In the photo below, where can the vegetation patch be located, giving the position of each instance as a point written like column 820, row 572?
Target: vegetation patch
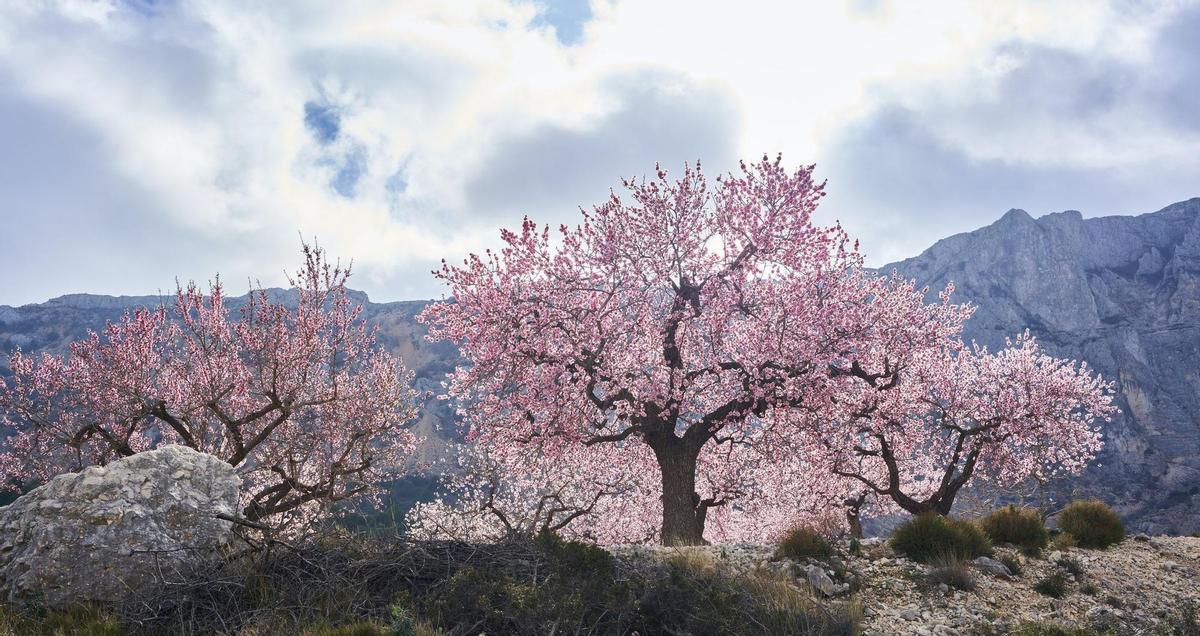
column 1053, row 585
column 1020, row 527
column 805, row 542
column 1073, row 566
column 364, row 585
column 952, row 571
column 928, row 537
column 1092, row 523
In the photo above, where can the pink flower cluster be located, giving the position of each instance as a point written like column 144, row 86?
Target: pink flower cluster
column 702, row 359
column 297, row 396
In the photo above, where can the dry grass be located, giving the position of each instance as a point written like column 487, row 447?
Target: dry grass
column 953, row 571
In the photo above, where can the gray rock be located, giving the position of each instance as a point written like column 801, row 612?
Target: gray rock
column 99, row 533
column 820, row 580
column 992, row 566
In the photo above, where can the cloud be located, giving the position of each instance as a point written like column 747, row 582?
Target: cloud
column 148, row 139
column 895, row 184
column 548, row 172
column 1052, row 128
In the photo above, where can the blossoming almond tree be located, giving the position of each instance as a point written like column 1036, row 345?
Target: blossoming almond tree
column 962, row 412
column 680, row 319
column 300, row 399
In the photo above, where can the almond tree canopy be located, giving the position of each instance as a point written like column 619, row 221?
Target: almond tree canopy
column 298, row 397
column 681, row 318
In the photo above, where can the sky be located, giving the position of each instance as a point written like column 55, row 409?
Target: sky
column 143, row 141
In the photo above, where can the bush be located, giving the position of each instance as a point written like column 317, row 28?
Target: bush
column 1053, row 585
column 926, row 537
column 855, row 547
column 952, row 571
column 1021, row 527
column 573, row 588
column 804, row 542
column 1092, row 523
column 697, row 597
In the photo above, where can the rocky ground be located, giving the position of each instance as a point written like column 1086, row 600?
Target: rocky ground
column 1141, row 586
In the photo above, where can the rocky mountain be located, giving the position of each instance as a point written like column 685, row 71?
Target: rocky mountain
column 1121, row 292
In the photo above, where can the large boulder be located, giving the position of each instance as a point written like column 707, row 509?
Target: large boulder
column 100, row 533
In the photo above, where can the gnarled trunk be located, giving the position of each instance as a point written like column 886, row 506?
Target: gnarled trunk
column 683, row 515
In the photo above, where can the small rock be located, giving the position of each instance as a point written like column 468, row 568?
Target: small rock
column 1141, row 537
column 910, row 614
column 820, row 580
column 992, row 566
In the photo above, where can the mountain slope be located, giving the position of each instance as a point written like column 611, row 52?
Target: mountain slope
column 1122, row 293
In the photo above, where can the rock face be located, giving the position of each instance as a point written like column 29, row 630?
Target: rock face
column 1122, row 293
column 95, row 534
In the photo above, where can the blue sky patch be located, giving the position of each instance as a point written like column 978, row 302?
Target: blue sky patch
column 567, row 17
column 354, row 165
column 323, row 121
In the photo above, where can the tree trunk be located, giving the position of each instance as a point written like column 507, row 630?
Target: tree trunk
column 853, row 517
column 938, row 506
column 683, row 516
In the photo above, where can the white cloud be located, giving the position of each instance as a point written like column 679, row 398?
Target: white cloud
column 187, row 120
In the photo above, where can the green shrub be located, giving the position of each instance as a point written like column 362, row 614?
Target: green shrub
column 1053, row 585
column 926, row 537
column 804, row 542
column 1089, row 588
column 1092, row 523
column 952, row 571
column 1021, row 527
column 855, row 547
